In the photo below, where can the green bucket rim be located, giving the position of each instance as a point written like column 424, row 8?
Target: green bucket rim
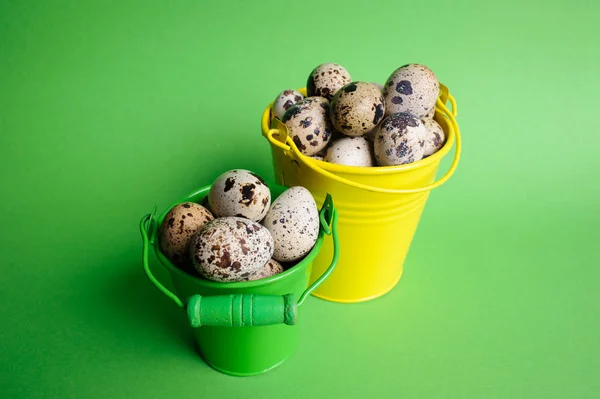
column 197, row 196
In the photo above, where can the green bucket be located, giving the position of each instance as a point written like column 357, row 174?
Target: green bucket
column 243, row 328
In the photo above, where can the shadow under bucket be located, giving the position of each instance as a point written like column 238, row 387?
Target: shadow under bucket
column 379, row 207
column 243, row 328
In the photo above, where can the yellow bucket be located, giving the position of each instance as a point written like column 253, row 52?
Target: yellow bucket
column 379, row 208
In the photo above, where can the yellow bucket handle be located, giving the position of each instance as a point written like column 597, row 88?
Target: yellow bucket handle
column 444, row 96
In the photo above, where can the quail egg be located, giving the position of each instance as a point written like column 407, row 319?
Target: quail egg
column 357, row 108
column 326, row 79
column 284, row 100
column 412, row 88
column 240, row 192
column 350, row 151
column 308, row 124
column 400, row 140
column 231, row 249
column 177, row 229
column 293, row 221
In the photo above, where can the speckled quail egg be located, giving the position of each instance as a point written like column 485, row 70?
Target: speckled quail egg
column 357, row 108
column 434, row 138
column 293, row 221
column 284, row 100
column 326, row 79
column 318, row 157
column 240, row 192
column 400, row 140
column 350, row 151
column 177, row 229
column 271, row 268
column 231, row 249
column 412, row 88
column 308, row 124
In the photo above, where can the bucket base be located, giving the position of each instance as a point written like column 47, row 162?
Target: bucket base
column 358, row 300
column 236, row 374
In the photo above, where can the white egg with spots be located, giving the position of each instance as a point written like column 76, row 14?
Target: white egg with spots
column 293, row 221
column 284, row 101
column 412, row 88
column 350, row 151
column 241, row 193
column 357, row 108
column 435, row 137
column 308, row 125
column 400, row 140
column 326, row 79
column 177, row 229
column 231, row 249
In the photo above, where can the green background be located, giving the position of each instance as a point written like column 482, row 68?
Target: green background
column 107, row 107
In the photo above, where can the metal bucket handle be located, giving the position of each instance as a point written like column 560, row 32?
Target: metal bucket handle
column 243, row 310
column 286, row 144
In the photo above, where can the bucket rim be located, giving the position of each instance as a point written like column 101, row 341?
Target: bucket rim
column 197, row 196
column 376, row 170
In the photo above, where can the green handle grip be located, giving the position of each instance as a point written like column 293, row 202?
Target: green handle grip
column 242, row 310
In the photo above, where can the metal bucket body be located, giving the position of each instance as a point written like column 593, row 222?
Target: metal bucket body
column 379, row 208
column 231, row 348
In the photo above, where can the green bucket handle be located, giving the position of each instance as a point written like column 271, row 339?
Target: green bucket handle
column 243, row 310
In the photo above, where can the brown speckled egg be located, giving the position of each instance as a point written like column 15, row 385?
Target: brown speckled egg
column 271, row 268
column 350, row 151
column 400, row 140
column 308, row 124
column 285, row 100
column 177, row 229
column 231, row 249
column 240, row 193
column 326, row 79
column 357, row 108
column 435, row 137
column 412, row 88
column 293, row 221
